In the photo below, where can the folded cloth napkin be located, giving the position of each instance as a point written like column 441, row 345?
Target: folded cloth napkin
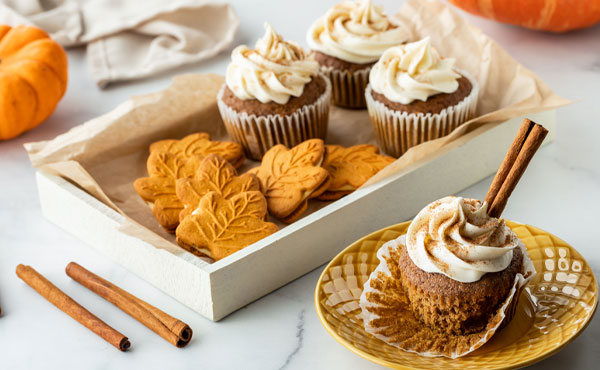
column 130, row 39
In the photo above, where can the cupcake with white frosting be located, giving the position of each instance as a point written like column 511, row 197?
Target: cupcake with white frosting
column 447, row 285
column 347, row 41
column 273, row 94
column 414, row 96
column 459, row 265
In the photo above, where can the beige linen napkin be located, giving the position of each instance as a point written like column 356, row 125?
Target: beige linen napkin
column 130, row 39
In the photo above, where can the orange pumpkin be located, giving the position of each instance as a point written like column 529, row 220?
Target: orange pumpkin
column 547, row 15
column 33, row 78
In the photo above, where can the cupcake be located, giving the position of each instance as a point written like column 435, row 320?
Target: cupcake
column 347, row 41
column 455, row 278
column 447, row 285
column 414, row 96
column 459, row 265
column 273, row 94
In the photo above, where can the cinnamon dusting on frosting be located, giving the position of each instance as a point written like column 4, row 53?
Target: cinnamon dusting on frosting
column 274, row 71
column 455, row 236
column 357, row 32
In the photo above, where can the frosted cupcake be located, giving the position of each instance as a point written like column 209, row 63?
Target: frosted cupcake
column 273, row 94
column 414, row 96
column 459, row 265
column 347, row 41
column 455, row 278
column 449, row 284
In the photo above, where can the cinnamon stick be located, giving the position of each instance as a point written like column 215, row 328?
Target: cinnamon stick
column 509, row 160
column 66, row 304
column 174, row 331
column 527, row 141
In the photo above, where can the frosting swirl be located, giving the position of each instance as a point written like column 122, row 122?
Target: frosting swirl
column 357, row 32
column 274, row 71
column 413, row 71
column 454, row 236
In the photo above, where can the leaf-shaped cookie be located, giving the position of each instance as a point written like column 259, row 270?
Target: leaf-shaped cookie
column 351, row 167
column 200, row 144
column 159, row 188
column 289, row 177
column 213, row 174
column 220, row 227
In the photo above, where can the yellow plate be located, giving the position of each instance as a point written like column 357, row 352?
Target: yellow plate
column 557, row 305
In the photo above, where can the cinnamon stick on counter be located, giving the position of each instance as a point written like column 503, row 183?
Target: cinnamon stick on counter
column 174, row 331
column 527, row 141
column 55, row 296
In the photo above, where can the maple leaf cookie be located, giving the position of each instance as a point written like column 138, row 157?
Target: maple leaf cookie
column 159, row 188
column 220, row 227
column 200, row 144
column 351, row 167
column 213, row 174
column 289, row 177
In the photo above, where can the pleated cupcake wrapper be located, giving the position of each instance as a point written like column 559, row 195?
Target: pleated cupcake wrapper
column 348, row 88
column 432, row 343
column 257, row 134
column 396, row 131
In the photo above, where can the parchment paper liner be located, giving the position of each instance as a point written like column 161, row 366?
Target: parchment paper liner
column 348, row 88
column 412, row 335
column 106, row 154
column 257, row 134
column 396, row 131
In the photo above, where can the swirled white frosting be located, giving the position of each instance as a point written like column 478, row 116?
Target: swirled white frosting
column 454, row 236
column 274, row 71
column 413, row 71
column 357, row 32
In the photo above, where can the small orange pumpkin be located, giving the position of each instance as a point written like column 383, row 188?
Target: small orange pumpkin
column 547, row 15
column 33, row 78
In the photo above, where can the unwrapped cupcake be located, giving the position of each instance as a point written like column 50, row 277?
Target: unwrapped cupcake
column 414, row 96
column 347, row 41
column 449, row 284
column 455, row 278
column 273, row 94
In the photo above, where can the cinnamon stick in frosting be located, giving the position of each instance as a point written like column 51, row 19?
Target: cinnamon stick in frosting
column 66, row 304
column 527, row 141
column 174, row 331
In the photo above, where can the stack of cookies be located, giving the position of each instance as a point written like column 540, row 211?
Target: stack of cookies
column 223, row 212
column 195, row 191
column 171, row 160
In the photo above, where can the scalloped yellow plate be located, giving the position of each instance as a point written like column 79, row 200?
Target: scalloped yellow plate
column 556, row 306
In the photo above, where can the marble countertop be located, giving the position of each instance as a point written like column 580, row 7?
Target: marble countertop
column 560, row 192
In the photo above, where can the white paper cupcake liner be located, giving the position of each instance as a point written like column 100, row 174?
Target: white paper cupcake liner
column 257, row 134
column 396, row 131
column 348, row 88
column 505, row 314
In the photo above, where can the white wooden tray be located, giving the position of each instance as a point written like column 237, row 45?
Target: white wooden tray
column 215, row 290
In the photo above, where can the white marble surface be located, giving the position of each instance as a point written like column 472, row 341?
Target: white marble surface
column 560, row 192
